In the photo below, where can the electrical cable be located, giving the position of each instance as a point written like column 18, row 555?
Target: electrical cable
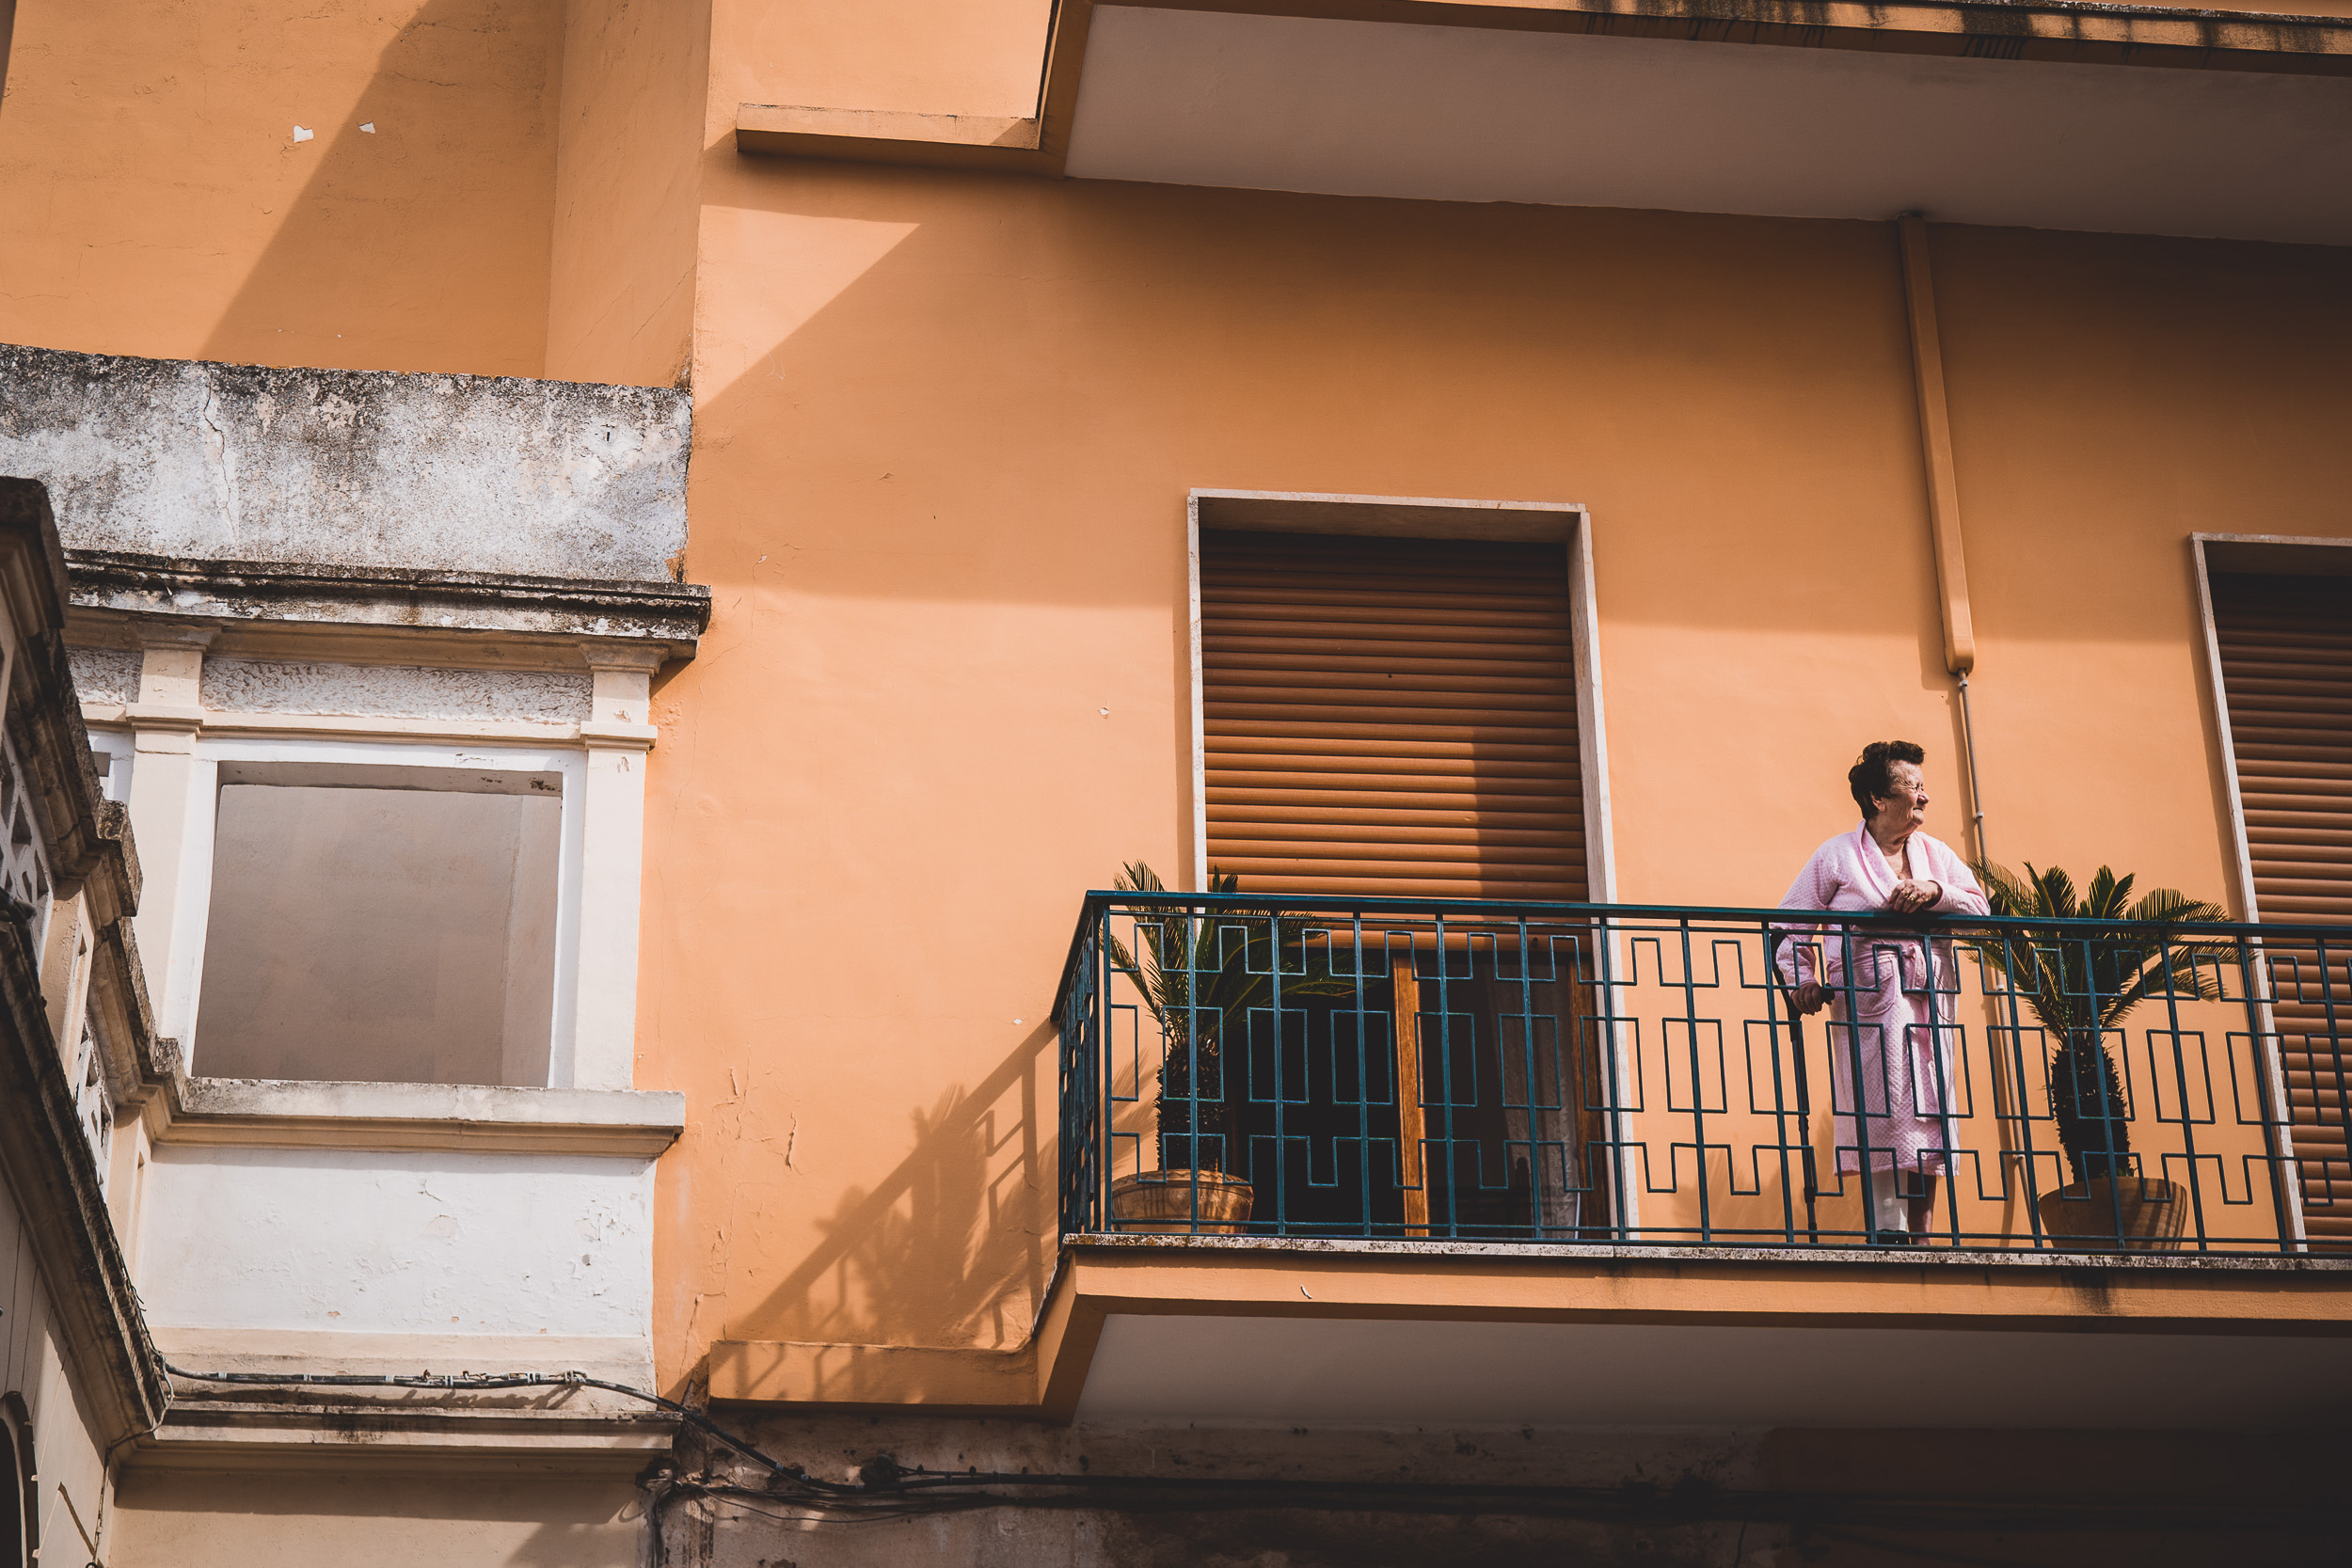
column 887, row 1489
column 475, row 1382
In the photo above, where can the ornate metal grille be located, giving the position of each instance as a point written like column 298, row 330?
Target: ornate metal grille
column 1553, row 1073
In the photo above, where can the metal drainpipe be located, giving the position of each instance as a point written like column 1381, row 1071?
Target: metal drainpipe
column 1976, row 791
column 1935, row 442
column 1951, row 581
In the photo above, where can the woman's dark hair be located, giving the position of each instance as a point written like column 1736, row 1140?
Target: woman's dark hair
column 1871, row 779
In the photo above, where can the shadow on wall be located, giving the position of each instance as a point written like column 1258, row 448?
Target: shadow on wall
column 952, row 1248
column 420, row 243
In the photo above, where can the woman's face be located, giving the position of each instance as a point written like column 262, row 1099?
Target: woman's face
column 1904, row 810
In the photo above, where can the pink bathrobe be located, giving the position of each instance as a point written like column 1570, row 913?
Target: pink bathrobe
column 1902, row 1016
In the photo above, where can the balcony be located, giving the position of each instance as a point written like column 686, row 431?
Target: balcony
column 1623, row 1186
column 1467, row 1075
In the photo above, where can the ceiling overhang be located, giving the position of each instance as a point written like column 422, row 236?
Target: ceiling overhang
column 1347, row 108
column 2039, row 113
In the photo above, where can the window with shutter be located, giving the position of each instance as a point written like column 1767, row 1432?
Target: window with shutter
column 2286, row 668
column 1390, row 716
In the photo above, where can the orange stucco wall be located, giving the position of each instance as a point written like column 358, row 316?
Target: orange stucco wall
column 158, row 203
column 926, row 56
column 621, row 276
column 945, row 426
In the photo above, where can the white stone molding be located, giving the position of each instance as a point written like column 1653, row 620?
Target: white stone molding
column 164, row 721
column 616, row 737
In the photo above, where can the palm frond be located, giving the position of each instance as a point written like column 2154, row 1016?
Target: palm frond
column 1199, row 969
column 2080, row 981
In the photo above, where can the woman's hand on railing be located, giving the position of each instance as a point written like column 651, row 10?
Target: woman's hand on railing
column 1807, row 998
column 1909, row 896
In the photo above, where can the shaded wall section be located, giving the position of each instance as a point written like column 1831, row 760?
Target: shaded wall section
column 628, row 189
column 164, row 202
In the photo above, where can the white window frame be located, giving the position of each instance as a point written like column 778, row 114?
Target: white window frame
column 183, row 977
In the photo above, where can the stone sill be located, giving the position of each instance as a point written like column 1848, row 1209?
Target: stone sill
column 267, row 1113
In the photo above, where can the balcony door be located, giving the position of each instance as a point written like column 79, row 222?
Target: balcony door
column 1395, row 717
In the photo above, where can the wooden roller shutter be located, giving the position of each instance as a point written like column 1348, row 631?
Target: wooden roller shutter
column 1390, row 716
column 2286, row 666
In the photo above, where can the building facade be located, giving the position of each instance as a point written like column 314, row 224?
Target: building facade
column 657, row 580
column 81, row 1057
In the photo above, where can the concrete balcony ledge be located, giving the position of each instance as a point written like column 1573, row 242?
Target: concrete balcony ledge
column 1738, row 1254
column 480, row 1118
column 1250, row 1329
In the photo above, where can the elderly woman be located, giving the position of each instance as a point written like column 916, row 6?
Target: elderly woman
column 1890, row 991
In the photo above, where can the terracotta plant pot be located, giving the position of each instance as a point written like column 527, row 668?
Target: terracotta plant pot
column 2083, row 1216
column 1161, row 1203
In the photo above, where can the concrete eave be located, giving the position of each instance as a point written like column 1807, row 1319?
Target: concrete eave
column 476, row 1118
column 1436, row 1283
column 283, row 609
column 2080, row 31
column 2083, row 32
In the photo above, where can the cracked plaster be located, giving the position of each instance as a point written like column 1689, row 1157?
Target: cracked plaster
column 255, row 686
column 458, row 473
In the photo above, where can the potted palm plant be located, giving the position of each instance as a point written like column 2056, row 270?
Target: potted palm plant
column 2080, row 982
column 1200, row 974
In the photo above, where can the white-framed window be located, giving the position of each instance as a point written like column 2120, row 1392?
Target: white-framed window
column 380, row 912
